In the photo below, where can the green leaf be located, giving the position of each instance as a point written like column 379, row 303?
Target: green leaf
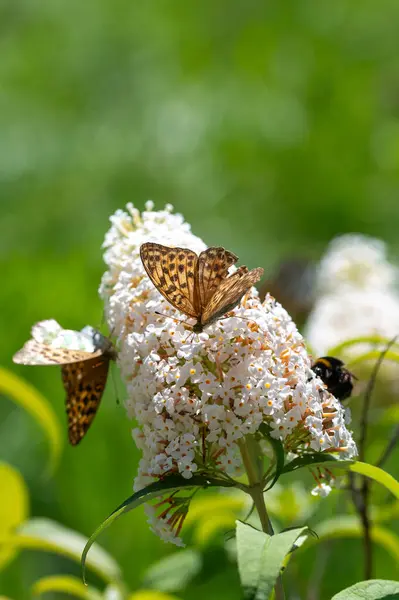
column 322, row 459
column 216, row 526
column 391, row 415
column 374, row 340
column 113, row 591
column 279, row 454
column 385, row 512
column 261, row 557
column 14, row 508
column 41, row 410
column 154, row 490
column 64, row 584
column 173, row 572
column 204, row 507
column 347, row 526
column 151, row 595
column 373, row 355
column 47, row 536
column 211, row 514
column 378, row 475
column 373, row 589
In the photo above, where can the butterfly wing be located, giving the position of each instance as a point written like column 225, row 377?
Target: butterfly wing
column 229, row 293
column 84, row 383
column 174, row 273
column 213, row 268
column 37, row 353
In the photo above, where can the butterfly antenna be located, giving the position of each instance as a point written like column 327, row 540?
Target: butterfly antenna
column 169, row 317
column 190, row 335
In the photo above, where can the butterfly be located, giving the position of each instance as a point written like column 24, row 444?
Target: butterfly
column 84, row 357
column 198, row 286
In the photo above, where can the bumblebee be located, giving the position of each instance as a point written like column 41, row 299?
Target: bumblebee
column 335, row 377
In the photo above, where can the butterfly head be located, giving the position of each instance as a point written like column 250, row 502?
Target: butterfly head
column 99, row 341
column 198, row 327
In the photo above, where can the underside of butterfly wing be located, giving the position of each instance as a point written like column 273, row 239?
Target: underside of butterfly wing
column 84, row 383
column 174, row 273
column 229, row 294
column 37, row 353
column 213, row 268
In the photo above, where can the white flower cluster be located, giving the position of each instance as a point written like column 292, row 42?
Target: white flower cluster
column 356, row 294
column 195, row 396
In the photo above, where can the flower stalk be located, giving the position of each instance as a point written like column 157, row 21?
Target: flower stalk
column 250, row 453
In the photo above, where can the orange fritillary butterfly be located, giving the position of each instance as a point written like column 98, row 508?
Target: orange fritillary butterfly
column 198, row 286
column 84, row 357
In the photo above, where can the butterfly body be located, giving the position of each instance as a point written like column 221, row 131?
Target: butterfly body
column 84, row 357
column 199, row 286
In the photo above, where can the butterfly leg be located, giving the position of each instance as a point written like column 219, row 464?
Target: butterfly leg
column 189, row 338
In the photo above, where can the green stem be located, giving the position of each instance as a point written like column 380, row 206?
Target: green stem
column 259, row 501
column 250, row 452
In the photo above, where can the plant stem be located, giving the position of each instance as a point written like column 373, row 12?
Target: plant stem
column 249, row 453
column 364, row 420
column 390, row 447
column 361, row 493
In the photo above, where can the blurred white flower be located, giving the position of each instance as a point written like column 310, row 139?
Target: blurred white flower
column 322, row 490
column 356, row 295
column 194, row 399
column 355, row 262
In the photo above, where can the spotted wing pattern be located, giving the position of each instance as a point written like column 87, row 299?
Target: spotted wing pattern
column 174, row 272
column 84, row 375
column 213, row 268
column 37, row 353
column 229, row 293
column 84, row 383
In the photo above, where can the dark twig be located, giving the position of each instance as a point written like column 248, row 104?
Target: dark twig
column 390, row 446
column 360, row 495
column 365, row 518
column 367, row 400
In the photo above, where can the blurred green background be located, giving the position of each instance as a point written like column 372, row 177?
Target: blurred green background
column 271, row 126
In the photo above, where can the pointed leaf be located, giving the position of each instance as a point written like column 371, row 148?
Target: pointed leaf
column 250, row 544
column 39, row 407
column 49, row 536
column 373, row 340
column 374, row 355
column 279, row 454
column 173, row 572
column 220, row 524
column 154, row 490
column 261, row 557
column 14, row 508
column 313, row 459
column 378, row 475
column 348, row 526
column 151, row 595
column 65, row 584
column 373, row 589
